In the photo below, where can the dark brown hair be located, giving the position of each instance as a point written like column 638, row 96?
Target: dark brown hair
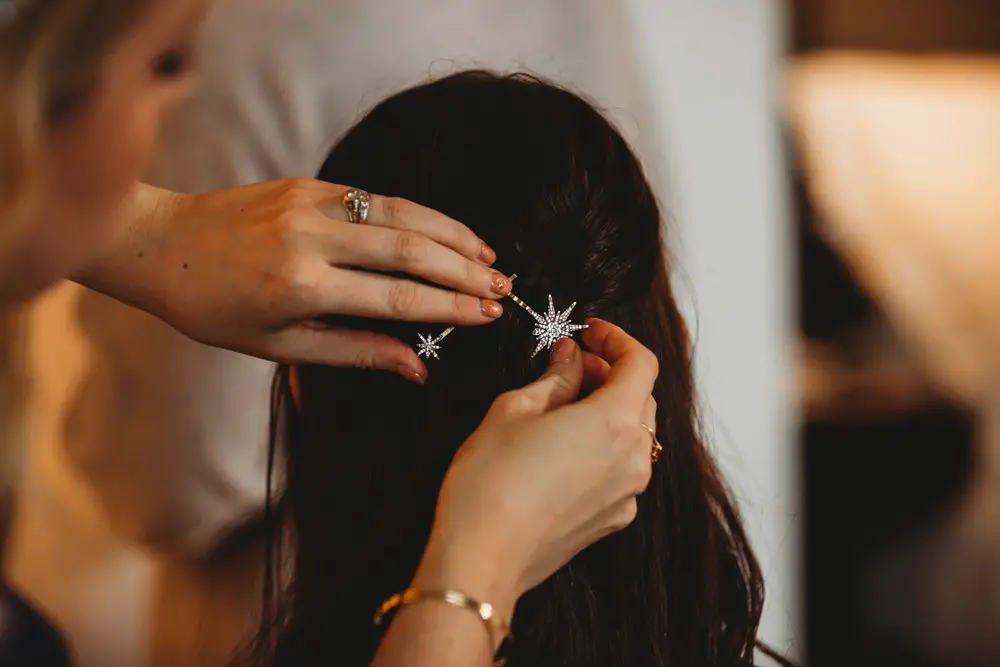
column 550, row 184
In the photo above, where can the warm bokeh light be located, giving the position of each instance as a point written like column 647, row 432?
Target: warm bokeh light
column 902, row 157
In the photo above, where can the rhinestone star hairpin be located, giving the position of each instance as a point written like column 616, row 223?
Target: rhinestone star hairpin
column 429, row 345
column 552, row 327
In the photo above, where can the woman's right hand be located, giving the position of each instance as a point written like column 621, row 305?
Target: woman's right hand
column 546, row 475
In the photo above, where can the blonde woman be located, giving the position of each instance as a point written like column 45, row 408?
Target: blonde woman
column 83, row 85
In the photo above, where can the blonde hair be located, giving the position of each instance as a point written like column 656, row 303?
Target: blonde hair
column 51, row 55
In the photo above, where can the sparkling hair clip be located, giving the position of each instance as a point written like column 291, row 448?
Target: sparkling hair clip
column 551, row 327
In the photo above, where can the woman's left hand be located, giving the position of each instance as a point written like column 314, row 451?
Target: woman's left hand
column 252, row 268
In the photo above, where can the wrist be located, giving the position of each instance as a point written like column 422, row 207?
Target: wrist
column 131, row 271
column 475, row 571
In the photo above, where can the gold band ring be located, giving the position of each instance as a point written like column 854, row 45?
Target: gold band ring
column 656, row 448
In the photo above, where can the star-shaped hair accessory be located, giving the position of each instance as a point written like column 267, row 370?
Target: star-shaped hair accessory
column 429, row 347
column 552, row 326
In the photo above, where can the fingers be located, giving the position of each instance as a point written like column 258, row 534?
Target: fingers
column 348, row 348
column 405, row 215
column 558, row 386
column 595, row 372
column 413, row 253
column 364, row 294
column 633, row 368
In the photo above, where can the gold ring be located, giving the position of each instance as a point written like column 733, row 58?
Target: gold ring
column 657, row 448
column 356, row 202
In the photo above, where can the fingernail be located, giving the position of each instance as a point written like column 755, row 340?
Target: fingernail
column 412, row 375
column 486, row 253
column 500, row 284
column 491, row 309
column 563, row 352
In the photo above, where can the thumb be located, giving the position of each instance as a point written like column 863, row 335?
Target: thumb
column 561, row 383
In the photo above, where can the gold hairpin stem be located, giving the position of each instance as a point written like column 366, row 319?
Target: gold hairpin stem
column 429, row 346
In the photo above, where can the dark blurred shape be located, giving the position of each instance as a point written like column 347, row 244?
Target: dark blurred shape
column 868, row 487
column 829, row 300
column 873, row 485
column 896, row 25
column 27, row 639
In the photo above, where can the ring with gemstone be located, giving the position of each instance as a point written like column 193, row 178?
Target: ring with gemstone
column 656, row 448
column 356, row 202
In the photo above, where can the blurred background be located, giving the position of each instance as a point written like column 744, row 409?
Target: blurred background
column 893, row 147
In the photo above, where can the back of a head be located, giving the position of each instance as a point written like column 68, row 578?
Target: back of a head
column 544, row 179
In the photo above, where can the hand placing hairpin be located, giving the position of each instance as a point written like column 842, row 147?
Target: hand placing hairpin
column 307, row 249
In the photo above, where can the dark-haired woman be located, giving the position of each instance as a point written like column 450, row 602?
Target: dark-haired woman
column 541, row 175
column 83, row 86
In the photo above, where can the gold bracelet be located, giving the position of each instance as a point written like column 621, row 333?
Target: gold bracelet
column 497, row 628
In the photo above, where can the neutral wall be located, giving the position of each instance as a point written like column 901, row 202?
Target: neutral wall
column 719, row 63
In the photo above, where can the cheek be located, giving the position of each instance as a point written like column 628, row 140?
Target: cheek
column 94, row 161
column 102, row 158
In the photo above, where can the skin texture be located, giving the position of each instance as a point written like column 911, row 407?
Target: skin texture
column 251, row 268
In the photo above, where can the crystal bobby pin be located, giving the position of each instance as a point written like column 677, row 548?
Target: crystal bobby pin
column 552, row 327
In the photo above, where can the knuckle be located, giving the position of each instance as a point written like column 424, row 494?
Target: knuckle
column 366, row 359
column 641, row 470
column 464, row 306
column 287, row 229
column 625, row 515
column 294, row 287
column 395, row 209
column 513, row 402
column 620, row 424
column 651, row 360
column 409, row 248
column 295, row 192
column 561, row 384
column 403, row 298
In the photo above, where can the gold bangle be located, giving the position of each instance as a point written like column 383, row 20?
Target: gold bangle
column 498, row 629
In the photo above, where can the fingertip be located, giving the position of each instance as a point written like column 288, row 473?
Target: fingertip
column 404, row 361
column 595, row 367
column 564, row 351
column 486, row 254
column 413, row 376
column 596, row 333
column 491, row 309
column 595, row 372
